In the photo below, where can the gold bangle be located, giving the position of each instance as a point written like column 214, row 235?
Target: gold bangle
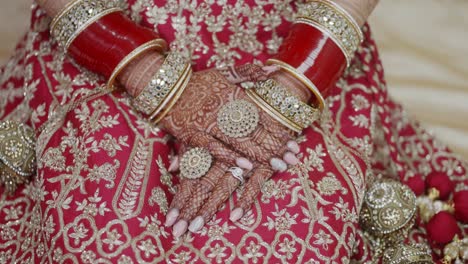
column 272, row 111
column 301, row 77
column 173, row 91
column 155, row 44
column 77, row 16
column 62, row 13
column 332, row 20
column 161, row 84
column 408, row 254
column 17, row 155
column 284, row 102
column 347, row 15
column 175, row 98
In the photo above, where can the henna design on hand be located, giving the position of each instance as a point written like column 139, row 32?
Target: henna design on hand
column 193, row 120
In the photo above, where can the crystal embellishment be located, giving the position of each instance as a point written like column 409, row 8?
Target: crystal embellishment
column 288, row 105
column 238, row 118
column 339, row 25
column 195, row 163
column 164, row 80
column 77, row 17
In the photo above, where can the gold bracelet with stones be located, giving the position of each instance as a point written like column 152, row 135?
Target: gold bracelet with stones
column 157, row 45
column 167, row 105
column 17, row 154
column 334, row 21
column 300, row 77
column 165, row 85
column 283, row 106
column 77, row 16
column 408, row 254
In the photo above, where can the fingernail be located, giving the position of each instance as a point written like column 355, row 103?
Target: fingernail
column 290, row 158
column 196, row 224
column 244, row 164
column 270, row 69
column 293, row 147
column 247, row 85
column 278, row 165
column 236, row 214
column 171, row 217
column 174, row 166
column 179, row 228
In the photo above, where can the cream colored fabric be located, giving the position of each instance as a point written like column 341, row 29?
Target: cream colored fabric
column 424, row 47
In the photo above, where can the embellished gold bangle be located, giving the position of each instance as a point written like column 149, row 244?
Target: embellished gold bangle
column 408, row 254
column 331, row 19
column 17, row 154
column 286, row 108
column 156, row 44
column 172, row 99
column 77, row 16
column 162, row 86
column 302, row 78
column 272, row 112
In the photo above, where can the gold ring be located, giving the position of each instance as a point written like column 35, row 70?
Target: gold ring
column 195, row 163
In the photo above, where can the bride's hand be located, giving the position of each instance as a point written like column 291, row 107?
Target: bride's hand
column 194, row 121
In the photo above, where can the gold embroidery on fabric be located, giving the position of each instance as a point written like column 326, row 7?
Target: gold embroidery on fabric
column 312, row 194
column 242, row 20
column 129, row 198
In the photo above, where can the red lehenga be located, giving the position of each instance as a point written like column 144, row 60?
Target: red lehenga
column 102, row 187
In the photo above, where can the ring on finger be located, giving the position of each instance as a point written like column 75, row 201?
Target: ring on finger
column 237, row 173
column 195, row 163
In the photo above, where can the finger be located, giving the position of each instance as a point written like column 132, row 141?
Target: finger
column 183, row 192
column 251, row 190
column 262, row 137
column 216, row 148
column 221, row 153
column 202, row 191
column 270, row 69
column 218, row 197
column 245, row 164
column 290, row 158
column 278, row 165
column 180, row 198
column 293, row 146
column 275, row 128
column 174, row 166
column 244, row 145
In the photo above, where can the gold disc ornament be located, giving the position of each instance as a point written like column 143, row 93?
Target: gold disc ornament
column 238, row 118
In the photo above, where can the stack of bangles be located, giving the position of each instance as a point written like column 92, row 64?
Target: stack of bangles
column 98, row 35
column 320, row 46
column 322, row 41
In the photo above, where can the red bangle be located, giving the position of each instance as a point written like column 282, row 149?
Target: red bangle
column 104, row 44
column 314, row 55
